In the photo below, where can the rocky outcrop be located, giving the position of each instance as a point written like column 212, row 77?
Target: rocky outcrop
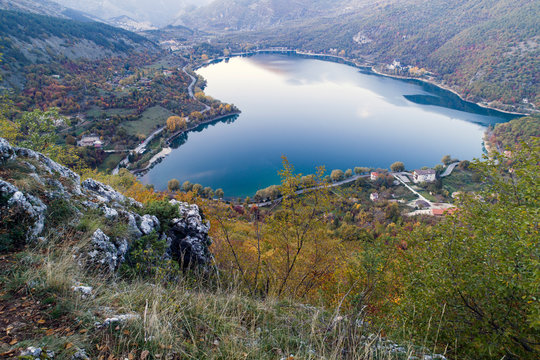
column 189, row 234
column 105, row 253
column 6, row 151
column 186, row 235
column 25, row 206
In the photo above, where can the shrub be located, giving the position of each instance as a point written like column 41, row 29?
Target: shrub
column 163, row 210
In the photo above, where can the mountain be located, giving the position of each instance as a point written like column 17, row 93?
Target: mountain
column 487, row 50
column 156, row 12
column 45, row 7
column 257, row 14
column 127, row 23
column 28, row 38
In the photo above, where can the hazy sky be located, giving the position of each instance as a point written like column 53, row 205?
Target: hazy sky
column 159, row 12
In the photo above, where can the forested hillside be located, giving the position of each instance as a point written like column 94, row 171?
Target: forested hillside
column 488, row 50
column 31, row 38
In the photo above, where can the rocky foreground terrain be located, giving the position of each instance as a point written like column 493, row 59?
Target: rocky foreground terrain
column 31, row 185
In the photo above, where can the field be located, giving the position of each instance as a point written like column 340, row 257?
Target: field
column 149, row 120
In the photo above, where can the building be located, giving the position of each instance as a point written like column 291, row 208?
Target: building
column 428, row 175
column 374, row 176
column 374, row 197
column 443, row 212
column 91, row 140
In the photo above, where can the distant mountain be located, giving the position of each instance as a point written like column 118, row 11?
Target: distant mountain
column 127, row 23
column 258, row 14
column 156, row 12
column 45, row 7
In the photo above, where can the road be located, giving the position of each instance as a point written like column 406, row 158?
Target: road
column 398, row 178
column 449, row 169
column 346, row 181
column 141, row 148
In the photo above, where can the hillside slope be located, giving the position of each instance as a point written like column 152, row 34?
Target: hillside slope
column 488, row 50
column 31, row 38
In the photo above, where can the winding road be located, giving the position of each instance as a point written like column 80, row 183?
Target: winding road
column 141, row 148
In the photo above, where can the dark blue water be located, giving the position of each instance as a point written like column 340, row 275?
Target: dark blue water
column 318, row 113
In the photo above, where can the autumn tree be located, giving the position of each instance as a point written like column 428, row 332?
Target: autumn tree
column 220, row 193
column 173, row 185
column 446, row 160
column 476, row 274
column 398, row 166
column 337, row 175
column 176, row 123
column 187, row 186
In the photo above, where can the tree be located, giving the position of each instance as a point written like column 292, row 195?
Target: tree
column 220, row 193
column 348, row 173
column 446, row 160
column 173, row 185
column 398, row 166
column 337, row 175
column 361, row 170
column 477, row 272
column 187, row 186
column 208, row 192
column 176, row 123
column 197, row 188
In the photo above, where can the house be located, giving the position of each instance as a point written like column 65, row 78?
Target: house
column 428, row 175
column 91, row 140
column 374, row 197
column 374, row 176
column 442, row 212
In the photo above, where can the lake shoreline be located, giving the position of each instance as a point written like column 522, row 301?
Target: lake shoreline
column 355, row 64
column 158, row 157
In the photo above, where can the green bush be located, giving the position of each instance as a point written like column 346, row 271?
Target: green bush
column 163, row 210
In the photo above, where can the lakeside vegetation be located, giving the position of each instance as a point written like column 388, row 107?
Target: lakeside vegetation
column 330, row 273
column 336, row 258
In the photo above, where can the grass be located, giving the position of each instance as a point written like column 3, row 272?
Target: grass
column 192, row 317
column 460, row 180
column 148, row 121
column 111, row 161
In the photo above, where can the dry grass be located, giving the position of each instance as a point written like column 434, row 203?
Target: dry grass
column 189, row 317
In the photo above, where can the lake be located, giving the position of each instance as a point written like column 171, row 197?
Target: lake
column 318, row 113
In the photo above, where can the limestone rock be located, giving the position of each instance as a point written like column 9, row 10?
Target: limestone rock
column 104, row 253
column 189, row 234
column 6, row 151
column 28, row 205
column 149, row 223
column 102, row 192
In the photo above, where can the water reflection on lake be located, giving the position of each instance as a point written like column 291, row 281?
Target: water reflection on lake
column 318, row 113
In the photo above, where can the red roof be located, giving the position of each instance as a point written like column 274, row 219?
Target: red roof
column 441, row 212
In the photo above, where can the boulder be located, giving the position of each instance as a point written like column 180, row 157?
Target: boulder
column 6, row 151
column 189, row 237
column 27, row 205
column 104, row 193
column 105, row 254
column 148, row 224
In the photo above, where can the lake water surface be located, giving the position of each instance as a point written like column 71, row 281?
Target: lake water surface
column 318, row 113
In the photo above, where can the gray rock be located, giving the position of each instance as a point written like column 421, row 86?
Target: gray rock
column 6, row 151
column 189, row 234
column 102, row 192
column 37, row 353
column 109, row 213
column 83, row 290
column 80, row 355
column 104, row 253
column 28, row 204
column 132, row 225
column 118, row 319
column 149, row 223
